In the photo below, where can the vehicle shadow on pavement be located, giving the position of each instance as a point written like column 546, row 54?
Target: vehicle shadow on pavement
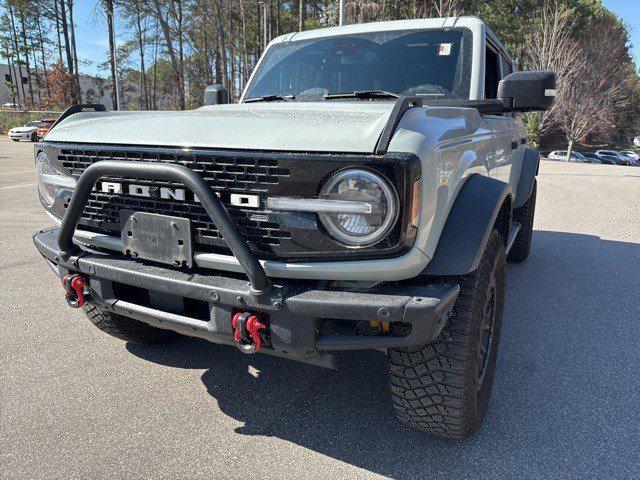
column 565, row 397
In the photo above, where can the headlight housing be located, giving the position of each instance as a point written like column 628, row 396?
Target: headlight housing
column 50, row 181
column 363, row 226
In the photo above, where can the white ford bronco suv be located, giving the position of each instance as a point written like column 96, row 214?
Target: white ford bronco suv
column 365, row 193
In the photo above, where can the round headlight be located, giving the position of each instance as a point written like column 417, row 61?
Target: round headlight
column 377, row 210
column 50, row 181
column 44, row 170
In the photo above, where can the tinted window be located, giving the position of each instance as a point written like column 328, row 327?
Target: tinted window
column 492, row 73
column 430, row 63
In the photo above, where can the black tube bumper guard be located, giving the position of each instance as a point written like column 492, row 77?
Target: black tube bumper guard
column 294, row 312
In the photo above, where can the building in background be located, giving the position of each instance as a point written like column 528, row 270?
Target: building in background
column 14, row 87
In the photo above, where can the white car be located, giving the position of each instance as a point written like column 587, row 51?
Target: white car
column 26, row 132
column 562, row 155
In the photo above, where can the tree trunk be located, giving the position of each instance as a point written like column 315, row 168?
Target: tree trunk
column 26, row 57
column 143, row 73
column 75, row 53
column 41, row 40
column 154, row 97
column 243, row 39
column 222, row 49
column 57, row 15
column 65, row 34
column 569, row 149
column 181, row 57
column 9, row 58
column 303, row 15
column 112, row 54
column 20, row 85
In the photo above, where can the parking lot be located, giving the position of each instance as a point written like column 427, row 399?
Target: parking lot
column 76, row 403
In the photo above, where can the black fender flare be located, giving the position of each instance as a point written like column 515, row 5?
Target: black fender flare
column 480, row 203
column 528, row 172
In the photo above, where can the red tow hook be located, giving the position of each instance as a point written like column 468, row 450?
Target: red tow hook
column 74, row 286
column 246, row 333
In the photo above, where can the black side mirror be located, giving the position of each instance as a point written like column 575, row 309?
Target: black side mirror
column 528, row 91
column 215, row 94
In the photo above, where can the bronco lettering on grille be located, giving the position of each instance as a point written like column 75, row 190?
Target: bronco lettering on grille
column 170, row 193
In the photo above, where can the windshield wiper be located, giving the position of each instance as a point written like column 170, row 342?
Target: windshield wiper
column 269, row 98
column 362, row 94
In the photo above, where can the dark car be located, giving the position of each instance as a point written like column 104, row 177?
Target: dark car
column 44, row 126
column 591, row 157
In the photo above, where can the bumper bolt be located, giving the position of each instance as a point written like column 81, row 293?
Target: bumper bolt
column 383, row 312
column 214, row 296
column 92, row 270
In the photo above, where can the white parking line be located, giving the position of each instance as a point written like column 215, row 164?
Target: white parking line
column 16, row 173
column 18, row 186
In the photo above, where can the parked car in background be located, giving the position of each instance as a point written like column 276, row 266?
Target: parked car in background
column 609, row 159
column 591, row 157
column 635, row 154
column 621, row 159
column 44, row 126
column 13, row 107
column 562, row 155
column 25, row 132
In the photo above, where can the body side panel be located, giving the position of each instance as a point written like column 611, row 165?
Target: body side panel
column 453, row 145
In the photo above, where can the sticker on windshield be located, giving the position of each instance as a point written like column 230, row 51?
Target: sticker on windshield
column 444, row 49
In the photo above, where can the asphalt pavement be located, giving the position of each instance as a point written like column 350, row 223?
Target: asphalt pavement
column 76, row 403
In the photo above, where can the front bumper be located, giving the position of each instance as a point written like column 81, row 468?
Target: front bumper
column 295, row 312
column 20, row 135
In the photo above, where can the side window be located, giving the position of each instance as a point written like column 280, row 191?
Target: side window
column 491, row 73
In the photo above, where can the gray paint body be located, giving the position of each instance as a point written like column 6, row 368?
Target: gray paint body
column 452, row 143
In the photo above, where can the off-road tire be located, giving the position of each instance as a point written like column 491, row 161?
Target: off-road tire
column 524, row 215
column 15, row 139
column 434, row 387
column 34, row 137
column 126, row 328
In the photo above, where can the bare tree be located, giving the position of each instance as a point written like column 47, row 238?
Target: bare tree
column 551, row 48
column 168, row 38
column 302, row 15
column 446, row 8
column 602, row 86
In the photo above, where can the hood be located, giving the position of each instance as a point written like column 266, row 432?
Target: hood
column 22, row 129
column 335, row 126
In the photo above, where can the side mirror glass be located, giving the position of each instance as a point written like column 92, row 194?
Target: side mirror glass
column 528, row 91
column 215, row 94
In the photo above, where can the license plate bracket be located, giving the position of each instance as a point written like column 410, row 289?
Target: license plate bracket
column 158, row 238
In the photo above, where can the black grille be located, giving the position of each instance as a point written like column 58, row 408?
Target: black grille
column 224, row 173
column 103, row 212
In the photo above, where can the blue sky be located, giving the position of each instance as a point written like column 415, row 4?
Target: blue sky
column 629, row 12
column 91, row 31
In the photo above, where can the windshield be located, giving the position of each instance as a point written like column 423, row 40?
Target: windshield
column 430, row 63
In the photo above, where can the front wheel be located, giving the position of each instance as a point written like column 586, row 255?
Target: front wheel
column 443, row 387
column 15, row 139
